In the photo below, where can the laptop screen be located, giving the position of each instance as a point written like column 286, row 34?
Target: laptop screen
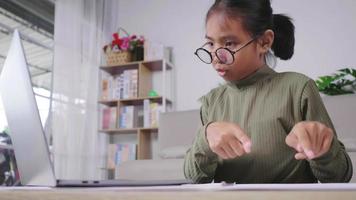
column 29, row 142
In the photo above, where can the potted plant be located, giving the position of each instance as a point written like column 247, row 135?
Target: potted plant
column 341, row 82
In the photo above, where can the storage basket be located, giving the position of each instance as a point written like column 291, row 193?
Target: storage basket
column 118, row 58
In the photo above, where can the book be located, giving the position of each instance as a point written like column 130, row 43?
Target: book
column 113, row 114
column 121, row 86
column 124, row 152
column 106, row 85
column 116, row 89
column 134, row 84
column 130, row 83
column 129, row 117
column 126, row 117
column 111, row 161
column 138, row 120
column 151, row 111
column 154, row 114
column 146, row 113
column 119, row 153
column 108, row 118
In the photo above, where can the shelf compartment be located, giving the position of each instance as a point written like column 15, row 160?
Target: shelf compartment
column 133, row 101
column 153, row 65
column 139, row 101
column 128, row 130
column 110, row 103
column 157, row 65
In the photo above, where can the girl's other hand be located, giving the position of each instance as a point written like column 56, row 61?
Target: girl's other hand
column 310, row 139
column 227, row 140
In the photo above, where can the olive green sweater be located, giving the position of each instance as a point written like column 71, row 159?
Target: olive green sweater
column 266, row 105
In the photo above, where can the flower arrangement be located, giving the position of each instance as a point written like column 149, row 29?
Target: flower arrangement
column 128, row 43
column 124, row 49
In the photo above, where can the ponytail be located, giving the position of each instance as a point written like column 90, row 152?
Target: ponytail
column 283, row 45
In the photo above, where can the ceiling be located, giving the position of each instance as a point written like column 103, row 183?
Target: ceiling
column 35, row 21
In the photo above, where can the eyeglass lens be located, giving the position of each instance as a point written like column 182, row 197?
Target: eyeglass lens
column 224, row 56
column 204, row 55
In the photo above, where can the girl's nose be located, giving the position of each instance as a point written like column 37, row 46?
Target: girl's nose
column 214, row 57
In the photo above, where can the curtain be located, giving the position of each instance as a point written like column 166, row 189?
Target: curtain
column 82, row 27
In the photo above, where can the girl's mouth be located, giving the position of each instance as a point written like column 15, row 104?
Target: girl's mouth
column 221, row 72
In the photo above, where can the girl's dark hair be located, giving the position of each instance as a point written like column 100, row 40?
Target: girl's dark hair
column 257, row 16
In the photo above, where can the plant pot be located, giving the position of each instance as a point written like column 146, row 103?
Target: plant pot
column 137, row 54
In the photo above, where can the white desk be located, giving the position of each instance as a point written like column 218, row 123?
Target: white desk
column 175, row 193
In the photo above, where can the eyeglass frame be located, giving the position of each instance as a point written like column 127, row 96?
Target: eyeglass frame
column 230, row 51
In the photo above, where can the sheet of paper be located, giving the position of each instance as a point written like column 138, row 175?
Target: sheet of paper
column 304, row 187
column 242, row 187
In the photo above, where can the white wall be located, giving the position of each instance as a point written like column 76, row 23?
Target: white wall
column 325, row 35
column 325, row 38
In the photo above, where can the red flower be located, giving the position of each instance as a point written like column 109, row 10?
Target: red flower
column 117, row 41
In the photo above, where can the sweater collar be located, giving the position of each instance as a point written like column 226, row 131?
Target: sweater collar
column 260, row 74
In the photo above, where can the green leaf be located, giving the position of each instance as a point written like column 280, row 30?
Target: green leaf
column 336, row 83
column 345, row 70
column 353, row 72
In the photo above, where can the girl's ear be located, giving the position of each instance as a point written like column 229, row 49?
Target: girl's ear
column 266, row 41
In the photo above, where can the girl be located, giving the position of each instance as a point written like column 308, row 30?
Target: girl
column 261, row 126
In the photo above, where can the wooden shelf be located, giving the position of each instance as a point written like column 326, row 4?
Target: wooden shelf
column 153, row 65
column 128, row 130
column 146, row 71
column 157, row 65
column 133, row 101
column 109, row 102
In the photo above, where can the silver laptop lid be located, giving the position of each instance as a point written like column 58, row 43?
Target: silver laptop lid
column 30, row 145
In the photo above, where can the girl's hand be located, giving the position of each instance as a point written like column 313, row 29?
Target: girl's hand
column 227, row 140
column 310, row 139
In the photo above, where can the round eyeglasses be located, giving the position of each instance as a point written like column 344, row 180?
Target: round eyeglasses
column 225, row 55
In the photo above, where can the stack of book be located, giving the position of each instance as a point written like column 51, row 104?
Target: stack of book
column 106, row 86
column 130, row 117
column 120, row 86
column 119, row 153
column 146, row 116
column 151, row 112
column 108, row 118
column 130, row 84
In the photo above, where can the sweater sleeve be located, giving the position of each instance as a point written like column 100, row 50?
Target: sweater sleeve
column 335, row 165
column 200, row 162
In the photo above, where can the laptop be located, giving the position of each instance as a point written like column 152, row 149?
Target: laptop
column 27, row 134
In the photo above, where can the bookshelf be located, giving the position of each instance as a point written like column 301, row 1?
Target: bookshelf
column 138, row 78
